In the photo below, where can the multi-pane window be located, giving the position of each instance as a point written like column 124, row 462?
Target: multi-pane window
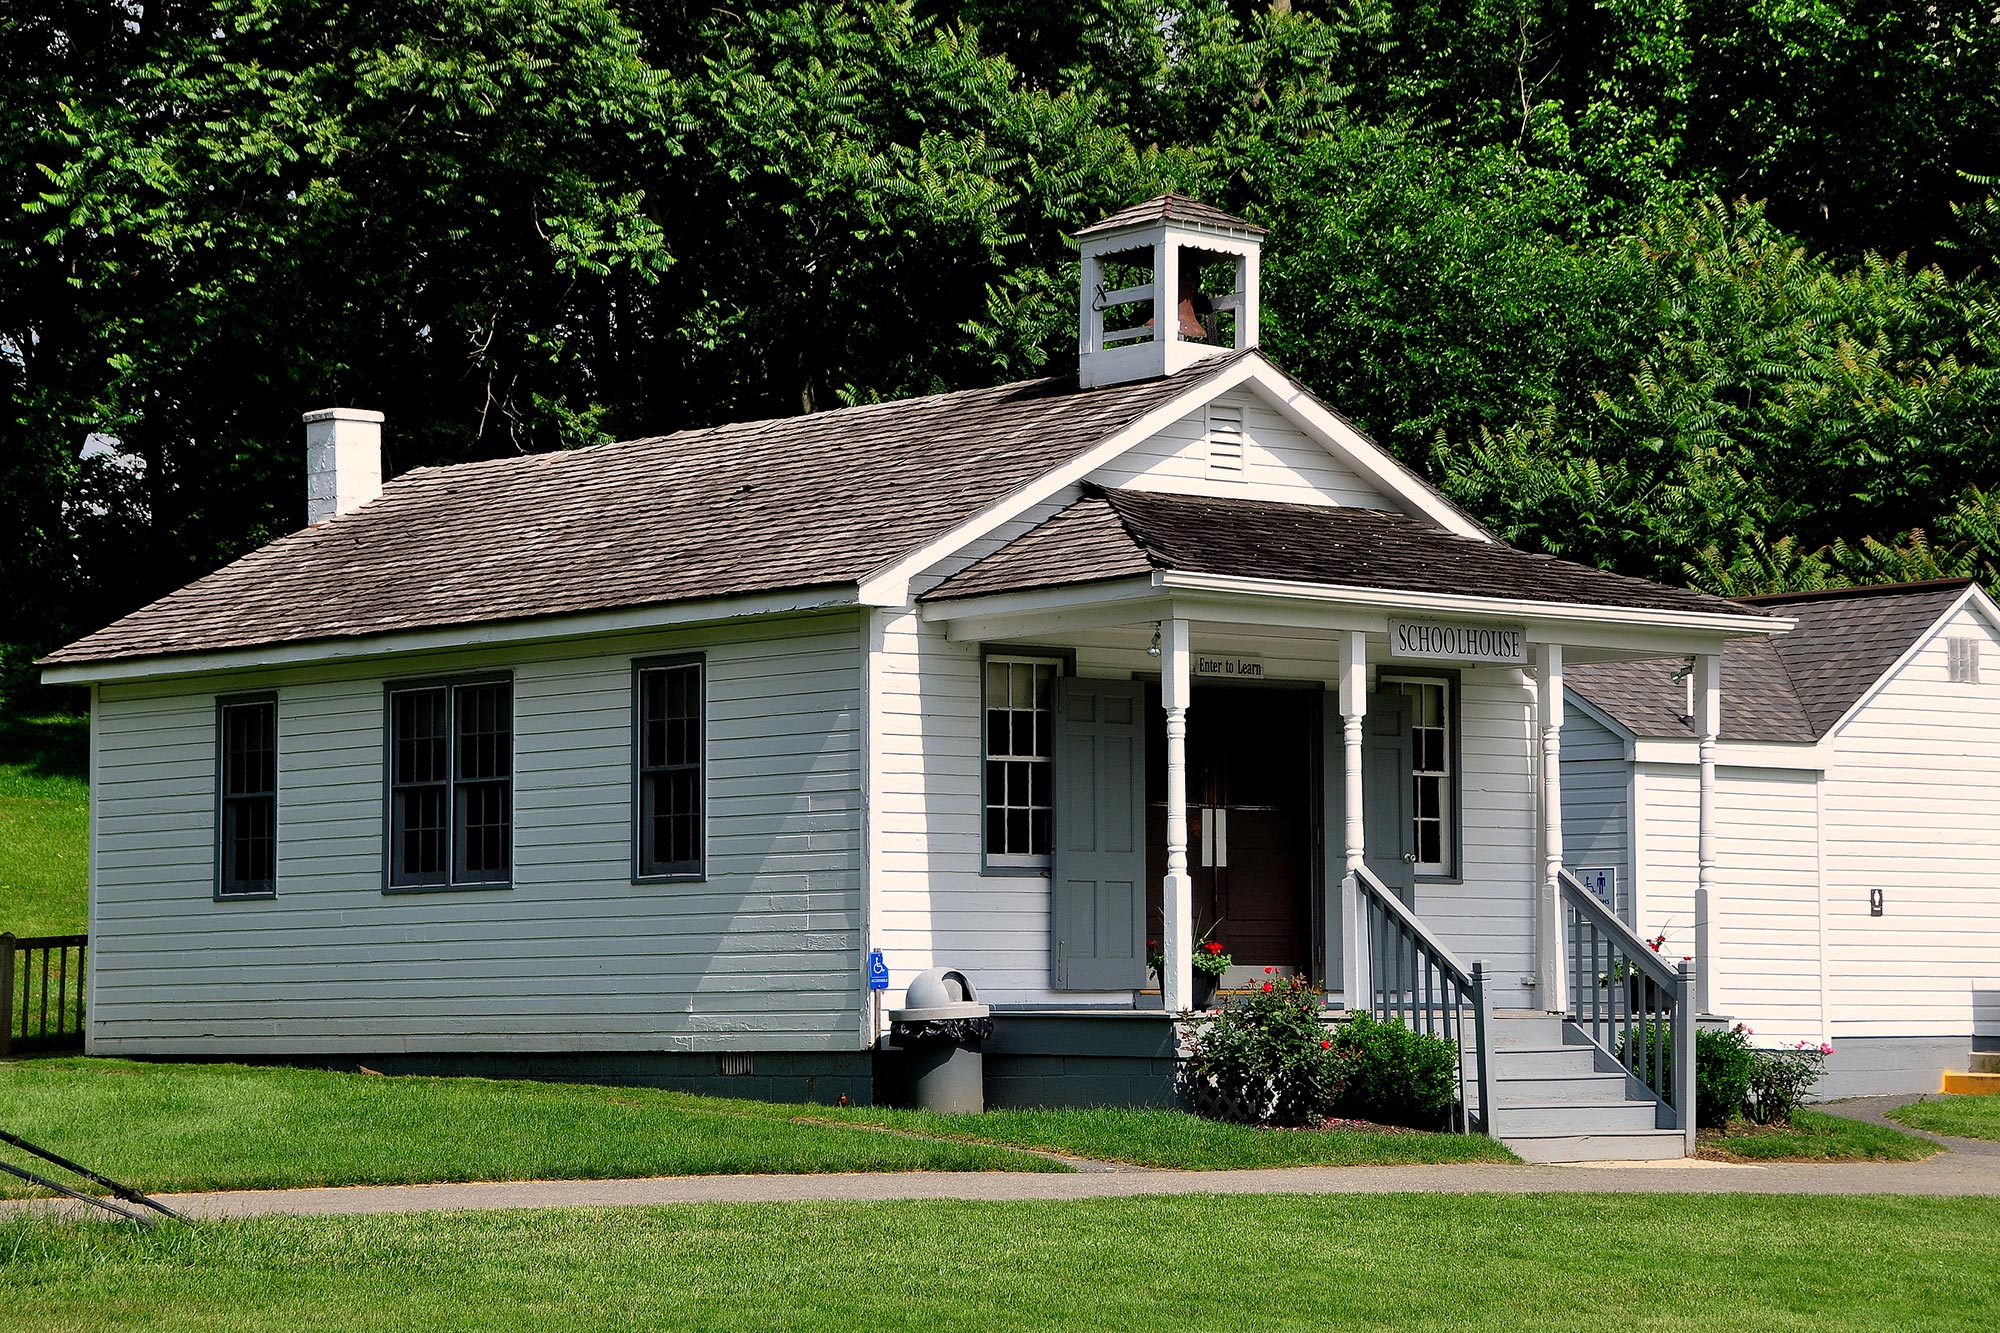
column 451, row 784
column 1431, row 796
column 1963, row 660
column 247, row 791
column 667, row 747
column 1020, row 724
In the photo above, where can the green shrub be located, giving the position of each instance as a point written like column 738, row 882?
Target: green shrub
column 1396, row 1076
column 1267, row 1059
column 1780, row 1081
column 1723, row 1065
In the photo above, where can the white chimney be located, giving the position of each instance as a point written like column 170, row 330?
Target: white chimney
column 343, row 461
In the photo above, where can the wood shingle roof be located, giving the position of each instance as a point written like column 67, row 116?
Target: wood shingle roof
column 1111, row 534
column 1792, row 688
column 794, row 503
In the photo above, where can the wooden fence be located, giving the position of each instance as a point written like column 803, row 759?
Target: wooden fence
column 41, row 993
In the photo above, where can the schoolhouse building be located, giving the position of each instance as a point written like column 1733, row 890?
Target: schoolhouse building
column 622, row 762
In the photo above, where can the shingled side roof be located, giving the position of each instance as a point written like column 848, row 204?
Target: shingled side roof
column 793, row 503
column 1791, row 688
column 1118, row 533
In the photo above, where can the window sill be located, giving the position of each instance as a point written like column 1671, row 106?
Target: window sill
column 401, row 889
column 690, row 877
column 249, row 896
column 991, row 871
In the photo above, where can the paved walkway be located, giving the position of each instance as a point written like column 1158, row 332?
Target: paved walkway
column 1969, row 1167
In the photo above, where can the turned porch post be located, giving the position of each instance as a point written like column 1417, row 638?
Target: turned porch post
column 1354, row 980
column 1177, row 890
column 1551, row 974
column 1708, row 726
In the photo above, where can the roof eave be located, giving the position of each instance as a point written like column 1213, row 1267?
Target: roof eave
column 447, row 638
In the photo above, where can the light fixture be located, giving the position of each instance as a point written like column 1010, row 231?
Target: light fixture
column 1153, row 649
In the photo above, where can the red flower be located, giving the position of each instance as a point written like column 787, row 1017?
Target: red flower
column 1213, row 946
column 1326, row 1046
column 1270, row 969
column 1267, row 985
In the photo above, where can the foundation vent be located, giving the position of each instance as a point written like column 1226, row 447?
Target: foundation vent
column 738, row 1062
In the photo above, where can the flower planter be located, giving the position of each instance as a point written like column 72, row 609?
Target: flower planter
column 1204, row 990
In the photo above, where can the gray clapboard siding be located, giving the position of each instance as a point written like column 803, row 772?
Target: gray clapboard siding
column 1597, row 800
column 573, row 956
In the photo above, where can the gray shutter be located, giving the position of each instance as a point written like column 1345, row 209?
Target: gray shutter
column 1388, row 822
column 1098, row 879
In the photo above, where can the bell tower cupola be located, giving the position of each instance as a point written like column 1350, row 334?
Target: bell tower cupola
column 1166, row 283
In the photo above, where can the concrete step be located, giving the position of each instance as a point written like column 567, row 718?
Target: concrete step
column 1978, row 1084
column 1985, row 1062
column 1647, row 1145
column 1583, row 1118
column 1591, row 1089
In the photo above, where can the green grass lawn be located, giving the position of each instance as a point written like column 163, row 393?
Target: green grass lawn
column 195, row 1127
column 1967, row 1117
column 1814, row 1136
column 44, row 824
column 1410, row 1262
column 1186, row 1142
column 222, row 1126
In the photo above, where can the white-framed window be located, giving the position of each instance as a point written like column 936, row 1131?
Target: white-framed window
column 1019, row 728
column 1433, row 793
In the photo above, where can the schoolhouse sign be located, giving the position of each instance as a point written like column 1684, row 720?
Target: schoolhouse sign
column 1458, row 643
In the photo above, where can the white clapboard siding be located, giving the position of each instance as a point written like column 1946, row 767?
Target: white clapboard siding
column 1912, row 809
column 1597, row 800
column 1489, row 916
column 1766, row 891
column 933, row 905
column 1279, row 461
column 764, row 954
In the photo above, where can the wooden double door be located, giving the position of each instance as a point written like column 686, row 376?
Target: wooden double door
column 1252, row 792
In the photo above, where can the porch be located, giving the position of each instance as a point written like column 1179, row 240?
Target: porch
column 1329, row 740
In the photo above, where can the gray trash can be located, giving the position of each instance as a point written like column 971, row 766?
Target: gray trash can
column 941, row 1030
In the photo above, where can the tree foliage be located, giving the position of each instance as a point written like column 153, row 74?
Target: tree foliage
column 1698, row 289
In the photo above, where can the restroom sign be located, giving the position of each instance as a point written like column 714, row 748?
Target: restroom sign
column 1228, row 666
column 1433, row 640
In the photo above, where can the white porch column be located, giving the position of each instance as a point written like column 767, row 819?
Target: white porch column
column 1551, row 970
column 1177, row 890
column 1353, row 716
column 1707, row 725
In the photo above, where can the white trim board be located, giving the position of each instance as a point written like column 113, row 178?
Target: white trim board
column 542, row 629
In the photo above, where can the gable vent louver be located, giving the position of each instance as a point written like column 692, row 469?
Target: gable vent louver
column 1225, row 442
column 1963, row 661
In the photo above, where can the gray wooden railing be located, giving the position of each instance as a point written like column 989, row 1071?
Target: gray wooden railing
column 1631, row 1003
column 41, row 992
column 1413, row 978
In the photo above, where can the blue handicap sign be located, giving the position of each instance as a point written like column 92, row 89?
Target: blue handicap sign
column 878, row 972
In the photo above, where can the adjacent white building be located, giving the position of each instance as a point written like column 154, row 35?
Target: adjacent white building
column 622, row 762
column 1855, row 897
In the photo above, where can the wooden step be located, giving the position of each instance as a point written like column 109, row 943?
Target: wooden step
column 1645, row 1145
